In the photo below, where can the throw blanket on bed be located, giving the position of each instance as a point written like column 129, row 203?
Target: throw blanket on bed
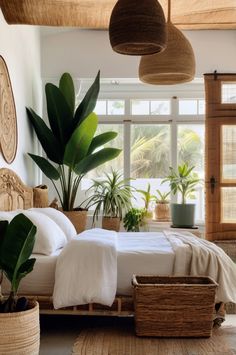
column 86, row 270
column 208, row 260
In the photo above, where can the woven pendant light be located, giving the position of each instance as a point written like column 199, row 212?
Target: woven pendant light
column 173, row 66
column 137, row 27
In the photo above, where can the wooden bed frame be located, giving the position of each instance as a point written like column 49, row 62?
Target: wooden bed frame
column 14, row 194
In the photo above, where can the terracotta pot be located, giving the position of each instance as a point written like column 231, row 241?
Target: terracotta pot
column 162, row 212
column 78, row 219
column 111, row 223
column 20, row 332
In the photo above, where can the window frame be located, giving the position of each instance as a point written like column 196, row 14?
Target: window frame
column 173, row 119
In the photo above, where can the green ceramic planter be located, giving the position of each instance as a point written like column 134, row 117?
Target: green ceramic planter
column 183, row 215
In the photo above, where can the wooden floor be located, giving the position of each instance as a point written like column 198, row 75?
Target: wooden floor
column 115, row 336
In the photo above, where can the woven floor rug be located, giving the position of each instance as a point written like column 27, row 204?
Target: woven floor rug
column 122, row 341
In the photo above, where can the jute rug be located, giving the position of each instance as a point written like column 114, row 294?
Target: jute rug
column 122, row 341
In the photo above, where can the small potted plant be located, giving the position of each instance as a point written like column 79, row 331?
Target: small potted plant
column 19, row 318
column 162, row 208
column 147, row 197
column 111, row 198
column 135, row 219
column 184, row 181
column 70, row 145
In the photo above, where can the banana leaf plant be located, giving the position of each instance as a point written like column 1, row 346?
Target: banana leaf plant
column 17, row 240
column 70, row 144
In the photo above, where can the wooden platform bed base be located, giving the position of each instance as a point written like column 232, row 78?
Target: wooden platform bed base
column 123, row 306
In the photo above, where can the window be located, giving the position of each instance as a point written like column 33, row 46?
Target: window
column 191, row 143
column 228, row 93
column 150, row 107
column 150, row 157
column 191, row 107
column 154, row 135
column 110, row 107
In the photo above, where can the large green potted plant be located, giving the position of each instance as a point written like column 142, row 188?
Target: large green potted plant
column 183, row 181
column 70, row 144
column 111, row 197
column 19, row 319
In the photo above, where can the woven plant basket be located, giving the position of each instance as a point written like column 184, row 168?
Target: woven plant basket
column 162, row 212
column 169, row 306
column 78, row 219
column 40, row 194
column 111, row 223
column 20, row 332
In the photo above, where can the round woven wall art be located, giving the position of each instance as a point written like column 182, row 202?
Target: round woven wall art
column 8, row 123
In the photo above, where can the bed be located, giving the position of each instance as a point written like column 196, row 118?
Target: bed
column 137, row 253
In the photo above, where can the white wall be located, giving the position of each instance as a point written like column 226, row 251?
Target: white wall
column 20, row 47
column 83, row 52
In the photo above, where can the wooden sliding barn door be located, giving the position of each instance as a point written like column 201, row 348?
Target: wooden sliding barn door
column 220, row 156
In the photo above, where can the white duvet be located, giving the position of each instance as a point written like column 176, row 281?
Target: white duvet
column 90, row 265
column 86, row 270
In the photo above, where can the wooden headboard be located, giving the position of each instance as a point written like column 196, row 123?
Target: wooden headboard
column 14, row 194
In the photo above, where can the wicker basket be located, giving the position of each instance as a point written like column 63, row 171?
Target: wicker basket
column 162, row 212
column 40, row 196
column 20, row 332
column 169, row 306
column 78, row 219
column 111, row 223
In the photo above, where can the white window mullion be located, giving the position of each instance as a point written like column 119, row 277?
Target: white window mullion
column 127, row 149
column 174, row 142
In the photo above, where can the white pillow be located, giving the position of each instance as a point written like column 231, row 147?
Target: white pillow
column 49, row 237
column 9, row 215
column 58, row 217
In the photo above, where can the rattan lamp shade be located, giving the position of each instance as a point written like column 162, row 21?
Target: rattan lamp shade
column 137, row 27
column 173, row 66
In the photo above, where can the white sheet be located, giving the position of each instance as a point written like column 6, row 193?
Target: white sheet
column 41, row 280
column 143, row 254
column 86, row 270
column 137, row 253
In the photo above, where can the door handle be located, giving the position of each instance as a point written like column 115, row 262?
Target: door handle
column 212, row 183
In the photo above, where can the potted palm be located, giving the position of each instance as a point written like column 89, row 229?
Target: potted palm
column 111, row 198
column 147, row 197
column 162, row 208
column 184, row 181
column 70, row 144
column 19, row 319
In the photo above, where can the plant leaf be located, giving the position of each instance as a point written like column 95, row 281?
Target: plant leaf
column 46, row 137
column 67, row 88
column 89, row 101
column 59, row 113
column 24, row 269
column 17, row 246
column 94, row 160
column 3, row 228
column 101, row 139
column 78, row 145
column 47, row 168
